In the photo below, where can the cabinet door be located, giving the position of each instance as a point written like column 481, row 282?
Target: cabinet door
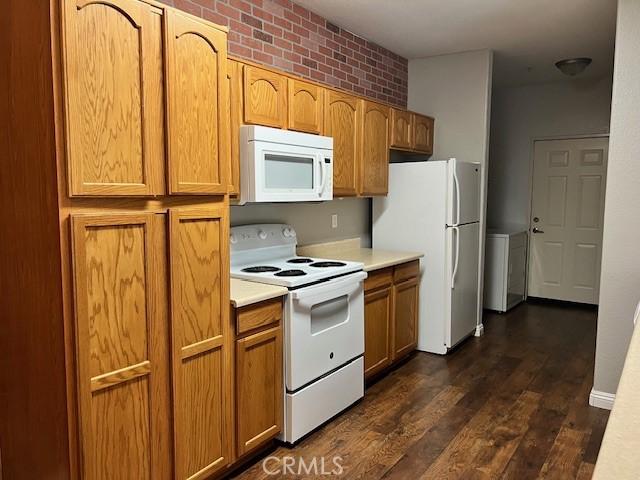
column 306, row 103
column 377, row 330
column 374, row 164
column 265, row 97
column 401, row 129
column 111, row 53
column 122, row 346
column 197, row 122
column 259, row 388
column 422, row 133
column 342, row 119
column 405, row 317
column 201, row 341
column 234, row 77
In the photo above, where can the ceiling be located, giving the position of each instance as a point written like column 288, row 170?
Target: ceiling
column 527, row 36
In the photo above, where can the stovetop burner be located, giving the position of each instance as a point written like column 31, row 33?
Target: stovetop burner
column 327, row 264
column 290, row 273
column 300, row 260
column 261, row 269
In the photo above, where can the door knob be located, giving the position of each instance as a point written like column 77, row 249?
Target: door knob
column 537, row 230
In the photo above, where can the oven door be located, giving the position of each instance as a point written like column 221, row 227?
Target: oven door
column 288, row 173
column 324, row 328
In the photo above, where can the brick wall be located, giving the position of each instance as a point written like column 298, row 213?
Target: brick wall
column 289, row 37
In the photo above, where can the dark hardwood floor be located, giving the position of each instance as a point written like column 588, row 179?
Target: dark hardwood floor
column 512, row 404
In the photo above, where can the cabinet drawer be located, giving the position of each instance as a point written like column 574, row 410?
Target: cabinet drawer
column 259, row 315
column 378, row 279
column 406, row 270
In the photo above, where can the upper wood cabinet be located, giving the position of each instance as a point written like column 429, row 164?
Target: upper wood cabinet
column 305, row 106
column 112, row 96
column 201, row 341
column 374, row 165
column 342, row 119
column 121, row 346
column 197, row 139
column 234, row 76
column 401, row 132
column 265, row 97
column 422, row 133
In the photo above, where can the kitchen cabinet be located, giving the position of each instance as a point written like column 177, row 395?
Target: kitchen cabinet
column 374, row 164
column 342, row 121
column 391, row 315
column 112, row 96
column 121, row 345
column 201, row 340
column 305, row 106
column 265, row 97
column 197, row 136
column 422, row 133
column 401, row 133
column 259, row 375
column 234, row 79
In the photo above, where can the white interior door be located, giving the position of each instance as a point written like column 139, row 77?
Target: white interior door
column 566, row 219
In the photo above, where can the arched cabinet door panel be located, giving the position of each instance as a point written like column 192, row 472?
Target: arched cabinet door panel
column 265, row 97
column 197, row 122
column 401, row 129
column 375, row 149
column 112, row 97
column 423, row 133
column 342, row 119
column 306, row 102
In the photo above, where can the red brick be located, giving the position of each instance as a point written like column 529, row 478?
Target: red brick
column 239, row 50
column 292, row 57
column 273, row 8
column 292, row 17
column 216, row 18
column 188, row 6
column 262, row 58
column 250, row 20
column 240, row 28
column 281, row 22
column 258, row 12
column 301, row 70
column 241, row 5
column 279, row 42
column 301, row 31
column 317, row 76
column 312, row 27
column 228, row 11
column 303, row 12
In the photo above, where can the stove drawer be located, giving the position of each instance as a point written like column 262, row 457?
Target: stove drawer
column 324, row 328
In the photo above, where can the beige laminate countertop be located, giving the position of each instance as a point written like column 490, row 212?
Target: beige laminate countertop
column 245, row 293
column 373, row 258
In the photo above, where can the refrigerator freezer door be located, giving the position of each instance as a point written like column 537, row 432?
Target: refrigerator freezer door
column 463, row 202
column 462, row 290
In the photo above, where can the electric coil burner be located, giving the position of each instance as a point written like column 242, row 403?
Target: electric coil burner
column 323, row 323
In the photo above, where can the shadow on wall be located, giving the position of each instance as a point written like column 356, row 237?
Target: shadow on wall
column 313, row 221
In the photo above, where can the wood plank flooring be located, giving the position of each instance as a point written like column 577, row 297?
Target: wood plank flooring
column 512, row 404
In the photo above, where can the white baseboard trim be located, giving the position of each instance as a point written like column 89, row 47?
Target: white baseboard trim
column 601, row 399
column 479, row 330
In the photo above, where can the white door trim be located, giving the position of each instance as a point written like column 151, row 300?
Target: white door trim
column 532, row 147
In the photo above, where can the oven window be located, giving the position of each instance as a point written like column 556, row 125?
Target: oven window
column 328, row 314
column 286, row 172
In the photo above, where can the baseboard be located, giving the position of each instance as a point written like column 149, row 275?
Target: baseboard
column 479, row 330
column 601, row 399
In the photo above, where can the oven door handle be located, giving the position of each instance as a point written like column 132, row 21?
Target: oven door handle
column 310, row 296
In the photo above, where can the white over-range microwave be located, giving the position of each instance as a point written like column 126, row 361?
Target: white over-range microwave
column 284, row 166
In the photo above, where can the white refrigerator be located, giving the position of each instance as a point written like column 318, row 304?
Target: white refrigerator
column 433, row 207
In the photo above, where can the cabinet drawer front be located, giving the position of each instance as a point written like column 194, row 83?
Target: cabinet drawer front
column 260, row 315
column 112, row 97
column 378, row 279
column 406, row 270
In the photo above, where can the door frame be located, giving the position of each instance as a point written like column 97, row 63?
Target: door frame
column 532, row 153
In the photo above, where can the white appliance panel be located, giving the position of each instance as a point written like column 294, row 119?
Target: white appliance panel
column 462, row 281
column 463, row 196
column 313, row 405
column 324, row 328
column 413, row 217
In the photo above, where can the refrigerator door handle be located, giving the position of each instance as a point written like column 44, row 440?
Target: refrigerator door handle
column 456, row 184
column 455, row 265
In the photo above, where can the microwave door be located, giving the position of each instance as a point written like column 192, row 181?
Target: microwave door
column 288, row 176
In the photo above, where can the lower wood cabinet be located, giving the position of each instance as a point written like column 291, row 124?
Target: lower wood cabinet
column 259, row 387
column 390, row 315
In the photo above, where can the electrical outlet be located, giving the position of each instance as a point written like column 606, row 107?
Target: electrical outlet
column 334, row 220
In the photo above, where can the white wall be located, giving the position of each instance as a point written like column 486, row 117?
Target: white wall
column 519, row 114
column 456, row 90
column 312, row 221
column 620, row 279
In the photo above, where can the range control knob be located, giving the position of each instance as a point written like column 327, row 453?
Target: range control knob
column 288, row 232
column 262, row 234
column 233, row 238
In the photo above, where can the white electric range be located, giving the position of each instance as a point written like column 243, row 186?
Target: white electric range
column 323, row 323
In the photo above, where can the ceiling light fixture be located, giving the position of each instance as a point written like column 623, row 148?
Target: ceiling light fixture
column 573, row 66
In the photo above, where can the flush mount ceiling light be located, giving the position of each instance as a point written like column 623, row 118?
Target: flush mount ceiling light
column 573, row 66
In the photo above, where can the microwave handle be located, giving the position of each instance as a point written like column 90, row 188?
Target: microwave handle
column 323, row 176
